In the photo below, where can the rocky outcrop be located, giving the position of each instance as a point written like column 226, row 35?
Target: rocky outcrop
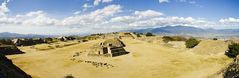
column 9, row 70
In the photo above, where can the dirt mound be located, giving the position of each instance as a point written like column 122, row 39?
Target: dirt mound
column 114, row 42
column 211, row 47
column 9, row 49
column 9, row 70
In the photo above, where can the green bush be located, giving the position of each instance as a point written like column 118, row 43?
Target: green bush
column 233, row 50
column 192, row 42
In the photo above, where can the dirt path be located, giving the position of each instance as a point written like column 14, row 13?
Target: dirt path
column 145, row 60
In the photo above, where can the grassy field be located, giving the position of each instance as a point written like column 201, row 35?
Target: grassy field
column 145, row 60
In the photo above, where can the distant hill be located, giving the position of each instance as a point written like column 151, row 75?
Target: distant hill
column 15, row 35
column 191, row 31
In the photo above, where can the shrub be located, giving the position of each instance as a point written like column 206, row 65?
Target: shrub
column 232, row 70
column 214, row 39
column 192, row 42
column 149, row 34
column 69, row 76
column 233, row 50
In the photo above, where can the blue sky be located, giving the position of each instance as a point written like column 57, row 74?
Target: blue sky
column 114, row 15
column 210, row 9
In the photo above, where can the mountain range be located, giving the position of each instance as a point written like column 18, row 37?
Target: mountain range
column 167, row 30
column 16, row 35
column 190, row 31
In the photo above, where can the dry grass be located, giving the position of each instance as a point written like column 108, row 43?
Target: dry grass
column 145, row 60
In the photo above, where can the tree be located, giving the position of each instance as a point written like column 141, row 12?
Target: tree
column 233, row 50
column 191, row 42
column 214, row 38
column 149, row 34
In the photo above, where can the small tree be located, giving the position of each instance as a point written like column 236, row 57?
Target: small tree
column 192, row 42
column 233, row 50
column 149, row 34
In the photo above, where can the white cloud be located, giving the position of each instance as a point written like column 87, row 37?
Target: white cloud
column 86, row 5
column 77, row 12
column 229, row 21
column 192, row 2
column 4, row 9
column 138, row 15
column 97, row 2
column 170, row 21
column 37, row 18
column 148, row 13
column 106, row 1
column 163, row 1
column 150, row 18
column 126, row 19
column 94, row 17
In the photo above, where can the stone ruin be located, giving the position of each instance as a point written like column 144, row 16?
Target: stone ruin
column 28, row 42
column 9, row 70
column 125, row 35
column 9, row 50
column 109, row 48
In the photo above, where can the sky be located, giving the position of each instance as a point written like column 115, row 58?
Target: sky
column 56, row 17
